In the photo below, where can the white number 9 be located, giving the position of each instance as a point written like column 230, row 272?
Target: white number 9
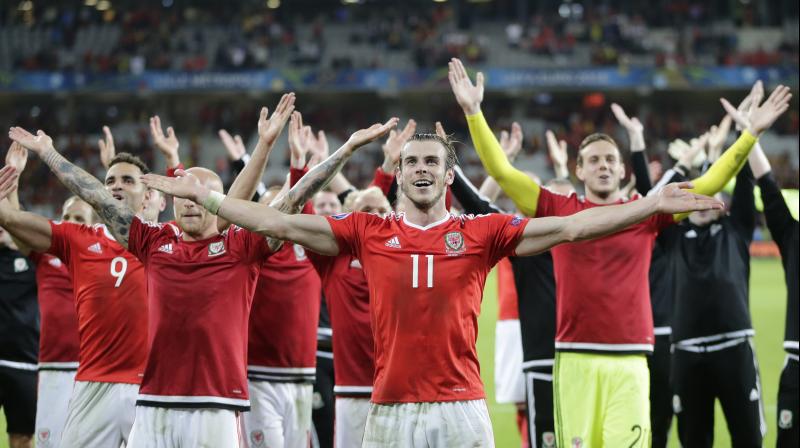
column 119, row 272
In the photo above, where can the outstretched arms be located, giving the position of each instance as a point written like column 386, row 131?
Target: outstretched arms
column 116, row 214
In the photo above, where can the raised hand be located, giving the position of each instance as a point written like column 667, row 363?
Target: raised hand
column 183, row 185
column 107, row 150
column 695, row 154
column 8, row 181
column 558, row 154
column 166, row 143
column 270, row 128
column 676, row 198
column 17, row 157
column 38, row 143
column 759, row 118
column 632, row 125
column 372, row 133
column 319, row 148
column 468, row 96
column 394, row 144
column 440, row 130
column 234, row 145
column 511, row 142
column 718, row 135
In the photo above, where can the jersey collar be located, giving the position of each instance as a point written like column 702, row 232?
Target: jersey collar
column 429, row 226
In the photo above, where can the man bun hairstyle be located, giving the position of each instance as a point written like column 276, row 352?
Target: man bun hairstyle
column 126, row 157
column 451, row 158
column 591, row 138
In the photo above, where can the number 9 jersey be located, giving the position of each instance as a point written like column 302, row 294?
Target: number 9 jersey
column 425, row 288
column 111, row 301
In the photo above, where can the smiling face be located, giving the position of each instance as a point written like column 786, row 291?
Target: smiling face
column 423, row 175
column 600, row 168
column 192, row 218
column 123, row 182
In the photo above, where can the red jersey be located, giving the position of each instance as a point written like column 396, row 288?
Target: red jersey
column 111, row 301
column 602, row 285
column 347, row 297
column 283, row 323
column 506, row 291
column 200, row 295
column 58, row 341
column 425, row 287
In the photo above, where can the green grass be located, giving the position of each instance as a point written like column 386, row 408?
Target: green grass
column 768, row 307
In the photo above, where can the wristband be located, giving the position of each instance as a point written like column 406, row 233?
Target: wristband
column 213, row 202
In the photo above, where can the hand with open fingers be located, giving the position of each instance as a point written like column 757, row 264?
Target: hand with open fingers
column 677, row 198
column 107, row 149
column 8, row 181
column 757, row 91
column 718, row 135
column 695, row 154
column 468, row 96
column 558, row 154
column 297, row 142
column 167, row 143
column 394, row 144
column 372, row 133
column 632, row 125
column 270, row 128
column 37, row 143
column 511, row 142
column 234, row 145
column 183, row 185
column 319, row 148
column 759, row 117
column 440, row 130
column 17, row 156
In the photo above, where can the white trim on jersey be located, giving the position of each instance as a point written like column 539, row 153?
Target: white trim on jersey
column 538, row 363
column 352, row 389
column 540, row 376
column 792, row 356
column 69, row 365
column 789, row 345
column 18, row 365
column 717, row 337
column 429, row 226
column 662, row 331
column 284, row 370
column 326, row 355
column 282, row 374
column 604, row 347
column 711, row 348
column 193, row 399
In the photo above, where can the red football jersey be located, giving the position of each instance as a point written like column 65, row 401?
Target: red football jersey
column 602, row 285
column 283, row 323
column 506, row 292
column 200, row 296
column 426, row 285
column 58, row 341
column 111, row 300
column 347, row 297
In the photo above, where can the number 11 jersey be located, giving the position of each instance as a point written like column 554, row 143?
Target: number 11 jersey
column 111, row 301
column 425, row 288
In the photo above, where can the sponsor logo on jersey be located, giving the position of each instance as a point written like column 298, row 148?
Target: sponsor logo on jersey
column 393, row 242
column 340, row 216
column 454, row 242
column 217, row 248
column 754, row 395
column 299, row 252
column 257, row 437
column 785, row 419
column 55, row 262
column 676, row 404
column 577, row 442
column 166, row 248
column 96, row 248
column 20, row 265
column 548, row 440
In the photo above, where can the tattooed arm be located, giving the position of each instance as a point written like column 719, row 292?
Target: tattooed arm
column 116, row 214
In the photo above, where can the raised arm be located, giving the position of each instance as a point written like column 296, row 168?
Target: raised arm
column 167, row 144
column 114, row 213
column 543, row 233
column 311, row 231
column 635, row 131
column 557, row 149
column 107, row 149
column 29, row 229
column 511, row 142
column 517, row 185
column 779, row 218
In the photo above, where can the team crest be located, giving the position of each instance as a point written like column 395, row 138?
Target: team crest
column 299, row 252
column 785, row 419
column 20, row 265
column 217, row 248
column 577, row 442
column 515, row 221
column 43, row 438
column 548, row 440
column 257, row 438
column 454, row 242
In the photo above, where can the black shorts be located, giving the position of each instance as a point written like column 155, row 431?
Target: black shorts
column 788, row 422
column 18, row 399
column 539, row 401
column 660, row 391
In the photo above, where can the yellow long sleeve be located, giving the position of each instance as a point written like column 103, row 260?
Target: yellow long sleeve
column 516, row 184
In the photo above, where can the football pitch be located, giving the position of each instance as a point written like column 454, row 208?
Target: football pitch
column 767, row 305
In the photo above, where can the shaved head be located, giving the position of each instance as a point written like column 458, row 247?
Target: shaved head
column 207, row 178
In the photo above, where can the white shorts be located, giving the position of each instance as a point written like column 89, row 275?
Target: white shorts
column 280, row 414
column 52, row 401
column 445, row 424
column 509, row 382
column 177, row 428
column 100, row 414
column 351, row 418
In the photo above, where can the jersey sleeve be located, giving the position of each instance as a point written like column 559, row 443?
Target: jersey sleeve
column 61, row 240
column 143, row 235
column 253, row 246
column 348, row 228
column 322, row 263
column 553, row 204
column 503, row 235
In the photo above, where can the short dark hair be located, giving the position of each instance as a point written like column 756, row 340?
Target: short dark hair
column 451, row 158
column 591, row 138
column 126, row 157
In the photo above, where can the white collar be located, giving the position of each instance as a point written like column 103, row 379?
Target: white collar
column 429, row 226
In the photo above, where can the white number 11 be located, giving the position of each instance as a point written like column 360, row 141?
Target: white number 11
column 415, row 270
